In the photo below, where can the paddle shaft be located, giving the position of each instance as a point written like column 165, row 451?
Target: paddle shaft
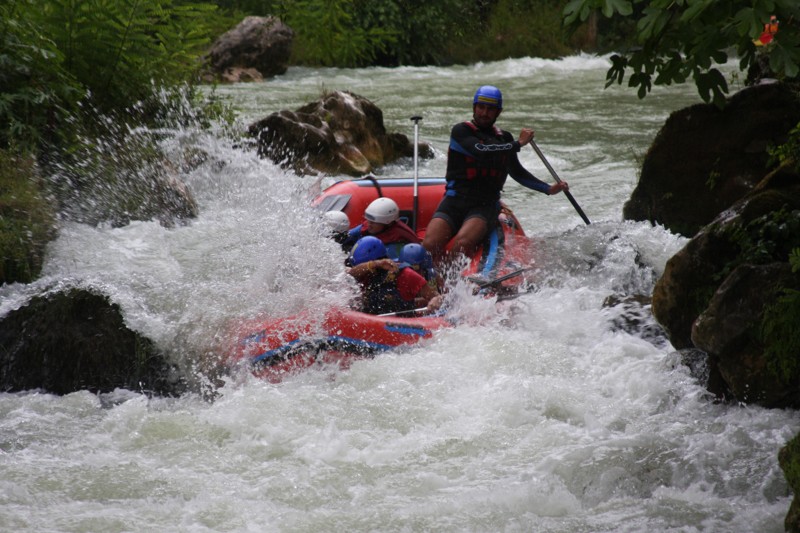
column 483, row 284
column 416, row 119
column 408, row 312
column 555, row 177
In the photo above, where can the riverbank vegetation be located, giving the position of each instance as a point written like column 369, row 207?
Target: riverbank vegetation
column 681, row 41
column 359, row 33
column 70, row 69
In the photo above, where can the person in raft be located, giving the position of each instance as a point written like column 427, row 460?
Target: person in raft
column 338, row 226
column 382, row 220
column 418, row 258
column 386, row 286
column 479, row 159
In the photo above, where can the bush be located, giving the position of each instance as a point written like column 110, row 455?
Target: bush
column 27, row 221
column 515, row 28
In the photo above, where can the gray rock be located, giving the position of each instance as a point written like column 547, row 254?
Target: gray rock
column 263, row 44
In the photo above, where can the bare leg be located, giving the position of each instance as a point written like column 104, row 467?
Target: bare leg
column 469, row 236
column 466, row 240
column 437, row 235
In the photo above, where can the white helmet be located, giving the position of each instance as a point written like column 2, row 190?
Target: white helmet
column 382, row 211
column 337, row 221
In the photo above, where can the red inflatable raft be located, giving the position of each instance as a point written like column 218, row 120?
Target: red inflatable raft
column 273, row 346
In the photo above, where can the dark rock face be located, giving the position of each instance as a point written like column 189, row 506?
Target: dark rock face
column 77, row 340
column 704, row 159
column 259, row 47
column 341, row 133
column 688, row 283
column 715, row 291
column 789, row 460
column 729, row 300
column 730, row 328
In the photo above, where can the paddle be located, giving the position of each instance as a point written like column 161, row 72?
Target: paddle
column 406, row 312
column 555, row 177
column 486, row 283
column 416, row 119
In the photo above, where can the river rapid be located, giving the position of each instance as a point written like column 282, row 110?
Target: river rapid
column 537, row 415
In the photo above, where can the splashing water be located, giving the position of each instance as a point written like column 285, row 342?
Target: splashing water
column 534, row 415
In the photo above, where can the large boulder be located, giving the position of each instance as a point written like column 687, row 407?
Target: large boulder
column 77, row 340
column 704, row 159
column 730, row 329
column 341, row 133
column 789, row 460
column 716, row 291
column 257, row 48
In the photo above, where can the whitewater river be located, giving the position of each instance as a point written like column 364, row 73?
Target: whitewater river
column 537, row 416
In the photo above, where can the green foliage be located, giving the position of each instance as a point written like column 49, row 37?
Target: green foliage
column 683, row 39
column 781, row 336
column 788, row 152
column 794, row 259
column 413, row 32
column 36, row 91
column 516, row 28
column 26, row 219
column 118, row 48
column 769, row 238
column 422, row 29
column 254, row 7
column 329, row 34
column 56, row 53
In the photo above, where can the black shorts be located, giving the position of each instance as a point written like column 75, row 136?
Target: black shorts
column 456, row 210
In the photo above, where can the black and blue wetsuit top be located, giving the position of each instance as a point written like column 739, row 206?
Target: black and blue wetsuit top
column 479, row 160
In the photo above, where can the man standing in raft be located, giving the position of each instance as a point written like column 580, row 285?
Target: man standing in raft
column 479, row 159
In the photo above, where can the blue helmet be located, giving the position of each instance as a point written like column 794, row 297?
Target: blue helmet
column 414, row 254
column 488, row 95
column 368, row 249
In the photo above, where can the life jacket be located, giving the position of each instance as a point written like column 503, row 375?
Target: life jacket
column 478, row 178
column 381, row 295
column 398, row 231
column 429, row 274
column 395, row 236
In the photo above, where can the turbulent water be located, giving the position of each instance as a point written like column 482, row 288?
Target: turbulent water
column 536, row 416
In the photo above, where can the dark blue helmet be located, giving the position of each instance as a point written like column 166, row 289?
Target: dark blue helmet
column 368, row 249
column 488, row 95
column 414, row 254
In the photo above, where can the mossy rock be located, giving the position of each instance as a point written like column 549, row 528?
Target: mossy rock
column 761, row 228
column 77, row 340
column 789, row 460
column 704, row 159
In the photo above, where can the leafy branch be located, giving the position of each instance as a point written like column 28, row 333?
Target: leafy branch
column 679, row 40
